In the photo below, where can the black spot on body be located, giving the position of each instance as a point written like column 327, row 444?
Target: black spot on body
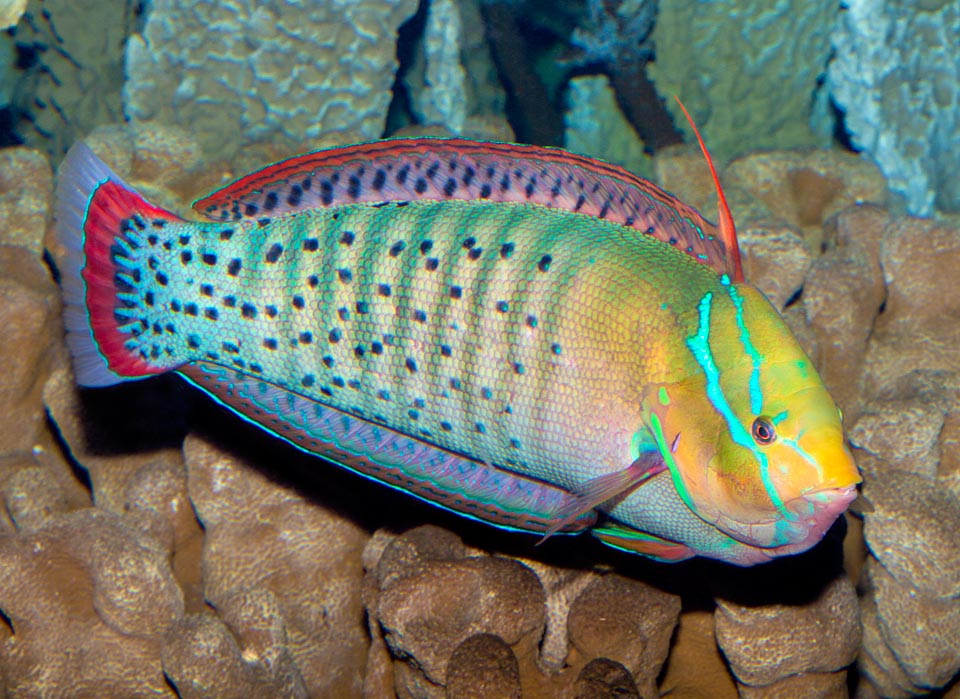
column 311, row 245
column 362, row 307
column 420, row 316
column 359, row 351
column 485, row 191
column 468, row 174
column 162, row 279
column 306, row 338
column 298, row 302
column 185, row 257
column 446, row 350
column 426, row 246
column 345, row 275
column 445, row 426
column 354, row 187
column 206, row 289
column 295, row 195
column 347, row 238
column 376, row 347
column 263, row 222
column 503, row 306
column 544, row 264
column 193, row 342
column 384, row 290
column 581, row 200
column 234, row 267
column 308, row 380
column 411, row 365
column 456, row 292
column 270, row 201
column 313, row 281
column 431, row 264
column 334, row 335
column 190, row 309
column 449, row 187
column 469, row 242
column 212, row 313
column 328, row 361
column 420, row 186
column 379, row 179
column 506, row 250
column 326, row 192
column 226, row 234
column 209, row 258
column 475, row 253
column 250, row 210
column 432, row 170
column 271, row 311
column 397, row 248
column 273, row 254
column 248, row 310
column 344, row 313
column 402, row 174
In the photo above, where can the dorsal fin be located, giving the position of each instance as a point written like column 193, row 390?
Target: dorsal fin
column 455, row 168
column 728, row 232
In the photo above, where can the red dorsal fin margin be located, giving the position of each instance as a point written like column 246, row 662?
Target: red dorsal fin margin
column 728, row 231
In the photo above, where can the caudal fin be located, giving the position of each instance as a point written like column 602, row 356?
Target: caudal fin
column 101, row 223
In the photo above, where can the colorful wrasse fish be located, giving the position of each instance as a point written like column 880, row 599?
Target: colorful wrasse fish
column 522, row 335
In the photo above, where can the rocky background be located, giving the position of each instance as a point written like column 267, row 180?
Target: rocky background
column 153, row 545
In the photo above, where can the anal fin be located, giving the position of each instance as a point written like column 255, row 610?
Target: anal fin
column 449, row 480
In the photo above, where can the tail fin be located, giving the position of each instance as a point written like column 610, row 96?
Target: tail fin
column 101, row 223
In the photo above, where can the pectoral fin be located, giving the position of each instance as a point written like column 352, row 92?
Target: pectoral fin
column 599, row 490
column 645, row 544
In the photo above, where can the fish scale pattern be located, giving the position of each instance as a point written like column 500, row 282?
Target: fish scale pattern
column 486, row 329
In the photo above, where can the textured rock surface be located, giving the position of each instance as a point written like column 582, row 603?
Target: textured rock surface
column 767, row 644
column 25, row 185
column 745, row 70
column 595, row 126
column 284, row 72
column 74, row 68
column 894, row 62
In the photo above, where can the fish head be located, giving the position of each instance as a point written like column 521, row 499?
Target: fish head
column 753, row 440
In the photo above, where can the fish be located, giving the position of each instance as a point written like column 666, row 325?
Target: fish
column 524, row 336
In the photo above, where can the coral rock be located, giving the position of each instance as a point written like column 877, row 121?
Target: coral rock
column 284, row 72
column 815, row 685
column 626, row 621
column 428, row 603
column 605, row 679
column 87, row 600
column 922, row 631
column 908, row 509
column 919, row 257
column 28, row 312
column 26, row 182
column 266, row 537
column 768, row 643
column 483, row 667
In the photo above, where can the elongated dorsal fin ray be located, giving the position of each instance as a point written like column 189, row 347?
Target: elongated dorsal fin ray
column 728, row 232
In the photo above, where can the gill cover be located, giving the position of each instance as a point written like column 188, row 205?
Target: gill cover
column 753, row 441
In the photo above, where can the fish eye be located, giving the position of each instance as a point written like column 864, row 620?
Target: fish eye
column 764, row 432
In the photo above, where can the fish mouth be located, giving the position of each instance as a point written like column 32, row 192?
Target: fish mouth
column 816, row 512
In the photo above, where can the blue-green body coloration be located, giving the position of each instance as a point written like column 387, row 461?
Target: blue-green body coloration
column 523, row 336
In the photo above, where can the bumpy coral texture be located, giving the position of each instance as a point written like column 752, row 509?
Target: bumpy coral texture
column 895, row 75
column 745, row 70
column 287, row 72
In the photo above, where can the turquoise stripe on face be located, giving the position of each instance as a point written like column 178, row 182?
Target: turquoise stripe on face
column 756, row 395
column 699, row 345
